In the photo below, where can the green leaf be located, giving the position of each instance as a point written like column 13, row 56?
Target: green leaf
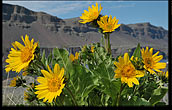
column 137, row 52
column 49, row 58
column 157, row 96
column 134, row 101
column 160, row 104
column 43, row 59
column 81, row 82
column 62, row 58
column 157, row 91
column 88, row 89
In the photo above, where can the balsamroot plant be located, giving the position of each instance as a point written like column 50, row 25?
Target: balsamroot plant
column 90, row 77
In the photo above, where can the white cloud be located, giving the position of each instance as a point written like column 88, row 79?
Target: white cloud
column 124, row 5
column 53, row 7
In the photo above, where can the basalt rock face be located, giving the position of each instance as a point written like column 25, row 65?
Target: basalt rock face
column 52, row 31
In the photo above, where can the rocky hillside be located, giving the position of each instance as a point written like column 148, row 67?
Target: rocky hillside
column 52, row 31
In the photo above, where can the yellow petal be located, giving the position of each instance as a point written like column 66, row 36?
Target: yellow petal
column 72, row 58
column 46, row 74
column 14, row 45
column 166, row 75
column 130, row 83
column 76, row 55
column 41, row 87
column 23, row 40
column 100, row 8
column 135, row 81
column 126, row 58
column 27, row 40
column 151, row 71
column 42, row 94
column 157, row 58
column 35, row 45
column 49, row 69
column 19, row 45
column 42, row 80
column 151, row 51
column 140, row 73
column 155, row 54
column 157, row 70
column 110, row 19
column 7, row 69
column 121, row 60
column 51, row 97
column 61, row 73
column 22, row 66
column 146, row 51
column 116, row 74
column 160, row 65
column 117, row 64
column 132, row 58
column 124, row 80
column 96, row 8
column 89, row 9
column 56, row 69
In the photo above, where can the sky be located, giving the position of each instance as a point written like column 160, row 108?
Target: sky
column 128, row 12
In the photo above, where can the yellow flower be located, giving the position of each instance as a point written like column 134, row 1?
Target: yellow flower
column 92, row 49
column 13, row 82
column 134, row 58
column 25, row 95
column 151, row 61
column 91, row 14
column 72, row 57
column 165, row 74
column 20, row 56
column 24, row 73
column 108, row 24
column 126, row 71
column 84, row 48
column 51, row 84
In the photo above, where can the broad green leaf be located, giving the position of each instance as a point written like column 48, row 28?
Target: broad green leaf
column 156, row 97
column 160, row 104
column 134, row 101
column 81, row 82
column 62, row 58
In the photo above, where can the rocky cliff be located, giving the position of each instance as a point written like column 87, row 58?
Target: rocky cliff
column 52, row 31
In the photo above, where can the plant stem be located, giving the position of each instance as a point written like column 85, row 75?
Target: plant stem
column 73, row 98
column 119, row 95
column 107, row 42
column 109, row 46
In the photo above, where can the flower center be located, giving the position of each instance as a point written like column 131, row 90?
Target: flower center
column 94, row 15
column 128, row 71
column 148, row 62
column 109, row 26
column 54, row 85
column 26, row 54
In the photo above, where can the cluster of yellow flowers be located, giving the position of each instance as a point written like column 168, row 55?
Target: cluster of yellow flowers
column 105, row 23
column 128, row 73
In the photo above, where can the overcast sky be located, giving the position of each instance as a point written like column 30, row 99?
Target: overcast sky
column 128, row 12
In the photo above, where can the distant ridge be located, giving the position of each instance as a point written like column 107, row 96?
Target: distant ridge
column 52, row 31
